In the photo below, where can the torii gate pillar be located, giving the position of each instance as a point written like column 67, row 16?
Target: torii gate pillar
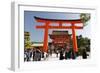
column 74, row 39
column 45, row 43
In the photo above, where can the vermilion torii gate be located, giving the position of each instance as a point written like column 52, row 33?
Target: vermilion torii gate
column 47, row 26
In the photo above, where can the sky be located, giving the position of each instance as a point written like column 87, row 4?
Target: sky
column 37, row 35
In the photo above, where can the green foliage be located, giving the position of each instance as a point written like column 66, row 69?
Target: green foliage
column 85, row 17
column 83, row 43
column 27, row 42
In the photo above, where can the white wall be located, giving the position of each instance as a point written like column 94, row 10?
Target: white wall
column 5, row 35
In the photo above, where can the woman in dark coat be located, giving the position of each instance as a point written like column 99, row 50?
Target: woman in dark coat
column 61, row 55
column 73, row 56
column 68, row 54
column 84, row 54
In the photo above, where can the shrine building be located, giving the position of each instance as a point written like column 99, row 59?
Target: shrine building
column 60, row 38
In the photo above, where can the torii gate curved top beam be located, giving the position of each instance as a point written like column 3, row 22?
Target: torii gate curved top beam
column 39, row 19
column 60, row 26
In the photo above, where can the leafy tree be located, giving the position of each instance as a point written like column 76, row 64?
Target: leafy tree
column 83, row 43
column 85, row 17
column 27, row 42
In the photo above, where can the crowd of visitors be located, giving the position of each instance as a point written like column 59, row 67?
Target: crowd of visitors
column 36, row 54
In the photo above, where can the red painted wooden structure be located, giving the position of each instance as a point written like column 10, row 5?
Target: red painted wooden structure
column 60, row 38
column 47, row 26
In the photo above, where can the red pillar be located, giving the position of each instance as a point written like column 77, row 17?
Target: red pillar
column 74, row 39
column 45, row 44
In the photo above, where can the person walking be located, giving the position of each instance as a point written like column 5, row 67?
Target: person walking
column 84, row 54
column 61, row 55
